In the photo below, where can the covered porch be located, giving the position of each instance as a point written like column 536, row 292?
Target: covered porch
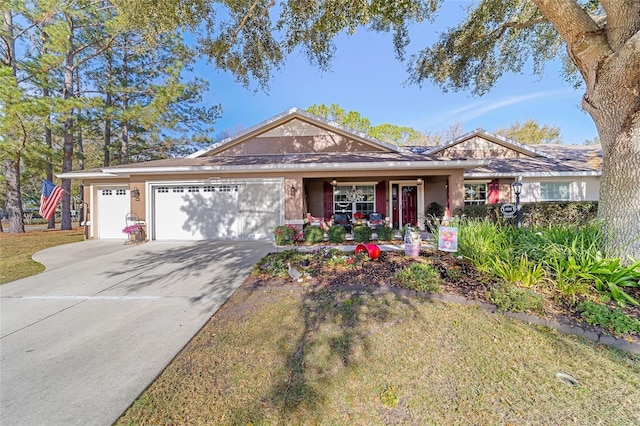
column 400, row 199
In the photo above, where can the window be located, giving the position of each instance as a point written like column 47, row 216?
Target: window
column 106, row 192
column 121, row 192
column 163, row 189
column 475, row 193
column 555, row 191
column 193, row 189
column 178, row 189
column 354, row 198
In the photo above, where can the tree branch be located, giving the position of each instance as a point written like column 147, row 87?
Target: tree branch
column 622, row 21
column 498, row 32
column 247, row 15
column 587, row 43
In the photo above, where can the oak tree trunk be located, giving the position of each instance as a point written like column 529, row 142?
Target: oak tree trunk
column 614, row 105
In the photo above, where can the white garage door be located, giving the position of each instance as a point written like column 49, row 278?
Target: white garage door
column 113, row 206
column 243, row 210
column 260, row 206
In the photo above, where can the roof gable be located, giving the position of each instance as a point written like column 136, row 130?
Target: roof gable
column 483, row 144
column 296, row 132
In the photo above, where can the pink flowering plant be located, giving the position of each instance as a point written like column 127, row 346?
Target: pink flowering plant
column 131, row 229
column 287, row 234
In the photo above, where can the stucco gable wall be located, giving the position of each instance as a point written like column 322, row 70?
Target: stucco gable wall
column 478, row 147
column 297, row 136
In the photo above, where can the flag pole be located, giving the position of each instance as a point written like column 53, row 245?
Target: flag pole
column 78, row 198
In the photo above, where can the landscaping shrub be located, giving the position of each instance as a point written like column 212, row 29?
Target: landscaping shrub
column 384, row 233
column 336, row 234
column 362, row 234
column 287, row 234
column 433, row 214
column 313, row 234
column 508, row 297
column 275, row 264
column 536, row 214
column 612, row 320
column 420, row 277
column 567, row 255
column 518, row 270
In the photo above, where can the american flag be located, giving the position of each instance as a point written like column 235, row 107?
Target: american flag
column 49, row 199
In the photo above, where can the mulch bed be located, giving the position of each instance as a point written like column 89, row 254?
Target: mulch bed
column 459, row 277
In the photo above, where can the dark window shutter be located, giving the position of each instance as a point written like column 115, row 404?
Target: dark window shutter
column 328, row 200
column 381, row 197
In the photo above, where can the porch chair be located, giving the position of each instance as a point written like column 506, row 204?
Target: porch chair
column 132, row 219
column 376, row 220
column 343, row 220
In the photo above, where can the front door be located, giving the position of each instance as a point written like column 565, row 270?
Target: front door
column 394, row 206
column 409, row 205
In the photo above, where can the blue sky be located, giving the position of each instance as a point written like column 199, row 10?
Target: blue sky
column 367, row 78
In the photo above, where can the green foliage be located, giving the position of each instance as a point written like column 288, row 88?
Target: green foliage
column 612, row 320
column 496, row 37
column 384, row 233
column 481, row 241
column 287, row 234
column 362, row 234
column 567, row 256
column 531, row 132
column 519, row 271
column 419, row 276
column 399, row 135
column 337, row 114
column 610, row 275
column 508, row 297
column 389, row 397
column 275, row 264
column 336, row 234
column 313, row 234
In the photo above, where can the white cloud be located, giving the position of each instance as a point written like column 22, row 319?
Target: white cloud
column 479, row 108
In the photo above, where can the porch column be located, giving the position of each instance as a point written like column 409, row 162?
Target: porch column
column 293, row 201
column 456, row 191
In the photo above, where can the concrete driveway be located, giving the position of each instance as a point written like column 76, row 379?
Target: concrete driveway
column 79, row 342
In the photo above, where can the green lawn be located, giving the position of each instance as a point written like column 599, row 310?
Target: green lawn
column 296, row 355
column 16, row 251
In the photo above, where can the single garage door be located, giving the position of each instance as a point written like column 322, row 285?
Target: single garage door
column 239, row 210
column 113, row 206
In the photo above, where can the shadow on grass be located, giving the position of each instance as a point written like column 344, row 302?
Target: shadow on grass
column 333, row 339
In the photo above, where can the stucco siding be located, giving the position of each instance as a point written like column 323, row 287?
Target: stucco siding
column 579, row 188
column 296, row 137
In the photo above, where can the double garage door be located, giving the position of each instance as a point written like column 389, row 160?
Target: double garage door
column 243, row 210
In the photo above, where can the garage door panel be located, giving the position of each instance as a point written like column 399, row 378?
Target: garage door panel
column 204, row 212
column 113, row 205
column 261, row 208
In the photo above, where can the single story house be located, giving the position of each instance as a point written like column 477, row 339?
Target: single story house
column 295, row 163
